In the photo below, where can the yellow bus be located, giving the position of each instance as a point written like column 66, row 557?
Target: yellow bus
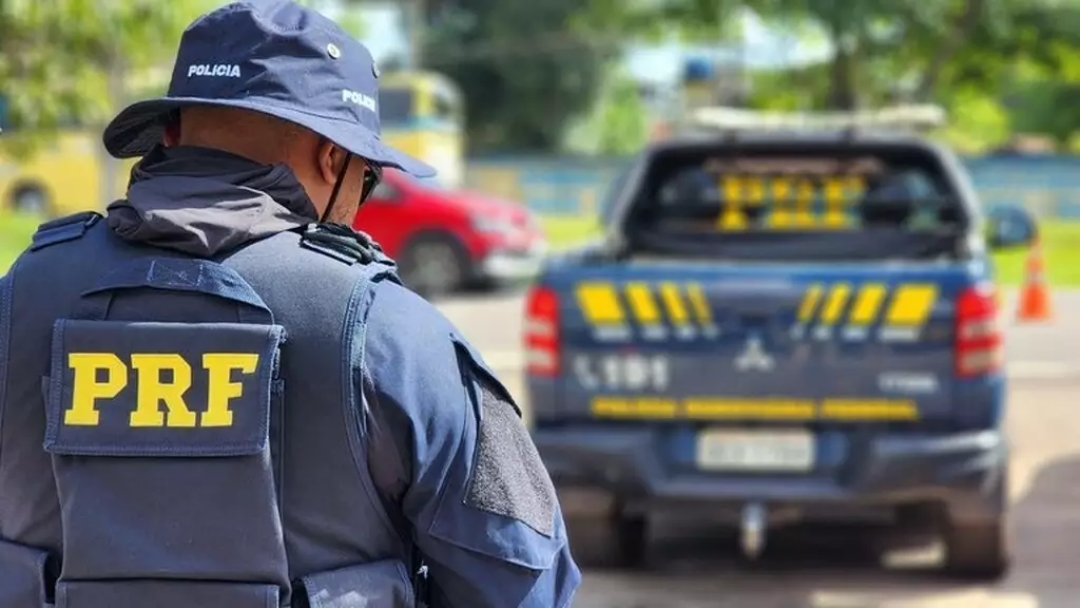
column 62, row 177
column 421, row 115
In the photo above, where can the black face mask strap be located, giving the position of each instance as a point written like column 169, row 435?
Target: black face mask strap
column 337, row 187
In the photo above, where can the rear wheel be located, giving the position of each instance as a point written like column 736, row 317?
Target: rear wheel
column 30, row 200
column 433, row 265
column 978, row 551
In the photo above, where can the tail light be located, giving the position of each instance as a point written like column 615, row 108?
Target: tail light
column 542, row 332
column 979, row 347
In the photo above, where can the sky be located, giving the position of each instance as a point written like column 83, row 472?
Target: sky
column 654, row 63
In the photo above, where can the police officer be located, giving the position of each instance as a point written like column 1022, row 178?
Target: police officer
column 218, row 395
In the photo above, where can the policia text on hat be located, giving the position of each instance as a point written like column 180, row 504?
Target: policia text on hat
column 208, row 398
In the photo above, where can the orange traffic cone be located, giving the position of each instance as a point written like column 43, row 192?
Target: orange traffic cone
column 1034, row 305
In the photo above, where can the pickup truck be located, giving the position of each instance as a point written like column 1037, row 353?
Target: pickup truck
column 780, row 328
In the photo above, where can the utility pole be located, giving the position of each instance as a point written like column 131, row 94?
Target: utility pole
column 109, row 169
column 413, row 18
column 745, row 83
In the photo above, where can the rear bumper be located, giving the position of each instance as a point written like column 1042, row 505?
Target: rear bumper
column 965, row 473
column 511, row 265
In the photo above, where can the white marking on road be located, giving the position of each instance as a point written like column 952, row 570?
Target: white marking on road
column 505, row 361
column 1042, row 370
column 951, row 599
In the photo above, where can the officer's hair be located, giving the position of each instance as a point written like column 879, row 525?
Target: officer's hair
column 259, row 136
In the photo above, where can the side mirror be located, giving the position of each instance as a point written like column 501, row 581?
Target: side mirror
column 1009, row 226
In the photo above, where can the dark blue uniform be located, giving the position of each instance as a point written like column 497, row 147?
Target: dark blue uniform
column 209, row 399
column 234, row 412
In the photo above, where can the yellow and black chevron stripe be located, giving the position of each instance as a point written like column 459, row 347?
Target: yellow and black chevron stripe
column 673, row 309
column 902, row 311
column 659, row 310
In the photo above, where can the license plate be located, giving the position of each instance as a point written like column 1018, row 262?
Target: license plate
column 780, row 450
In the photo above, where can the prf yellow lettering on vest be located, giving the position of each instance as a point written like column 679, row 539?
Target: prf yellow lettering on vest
column 103, row 376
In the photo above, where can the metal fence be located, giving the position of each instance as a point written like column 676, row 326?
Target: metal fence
column 1048, row 186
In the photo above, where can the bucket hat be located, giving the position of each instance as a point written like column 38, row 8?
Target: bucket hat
column 279, row 58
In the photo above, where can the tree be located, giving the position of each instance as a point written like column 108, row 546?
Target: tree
column 881, row 42
column 65, row 62
column 524, row 73
column 697, row 20
column 61, row 60
column 1032, row 65
column 617, row 126
column 992, row 63
column 623, row 127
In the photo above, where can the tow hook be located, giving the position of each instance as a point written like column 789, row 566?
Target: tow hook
column 752, row 533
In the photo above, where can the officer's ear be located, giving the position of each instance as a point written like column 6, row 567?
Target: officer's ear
column 330, row 158
column 170, row 136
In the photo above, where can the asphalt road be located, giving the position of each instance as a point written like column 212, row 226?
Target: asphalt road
column 827, row 570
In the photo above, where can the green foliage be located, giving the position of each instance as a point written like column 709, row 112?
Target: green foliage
column 61, row 60
column 1047, row 106
column 1032, row 65
column 617, row 125
column 524, row 73
column 345, row 12
column 888, row 48
column 978, row 123
column 622, row 118
column 694, row 20
column 969, row 55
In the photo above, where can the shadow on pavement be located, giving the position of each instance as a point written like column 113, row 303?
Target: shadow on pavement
column 824, row 568
column 800, row 568
column 1047, row 536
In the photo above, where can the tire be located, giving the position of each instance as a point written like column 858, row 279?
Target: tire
column 978, row 551
column 30, row 200
column 434, row 265
column 618, row 542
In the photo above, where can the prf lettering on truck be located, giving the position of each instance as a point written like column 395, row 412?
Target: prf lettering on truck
column 791, row 200
column 101, row 377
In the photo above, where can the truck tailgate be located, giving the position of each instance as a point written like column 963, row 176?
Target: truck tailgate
column 758, row 342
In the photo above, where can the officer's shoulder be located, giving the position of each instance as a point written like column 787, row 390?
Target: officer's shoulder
column 316, row 258
column 343, row 244
column 410, row 357
column 64, row 229
column 406, row 333
column 52, row 241
column 402, row 316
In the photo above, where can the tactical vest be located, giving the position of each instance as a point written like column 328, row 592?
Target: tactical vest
column 201, row 428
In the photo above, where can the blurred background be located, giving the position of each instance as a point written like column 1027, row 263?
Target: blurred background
column 538, row 104
column 530, row 108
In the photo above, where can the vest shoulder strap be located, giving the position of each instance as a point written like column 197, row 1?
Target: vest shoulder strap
column 64, row 229
column 343, row 244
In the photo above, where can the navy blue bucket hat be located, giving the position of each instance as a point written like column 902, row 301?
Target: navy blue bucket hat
column 274, row 57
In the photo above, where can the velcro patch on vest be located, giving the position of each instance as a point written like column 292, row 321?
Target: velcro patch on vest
column 509, row 478
column 160, row 389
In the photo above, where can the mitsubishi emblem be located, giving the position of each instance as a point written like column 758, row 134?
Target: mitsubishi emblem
column 754, row 356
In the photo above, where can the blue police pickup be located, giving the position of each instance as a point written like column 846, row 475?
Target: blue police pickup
column 778, row 329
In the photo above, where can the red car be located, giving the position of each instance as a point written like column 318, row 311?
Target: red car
column 446, row 240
